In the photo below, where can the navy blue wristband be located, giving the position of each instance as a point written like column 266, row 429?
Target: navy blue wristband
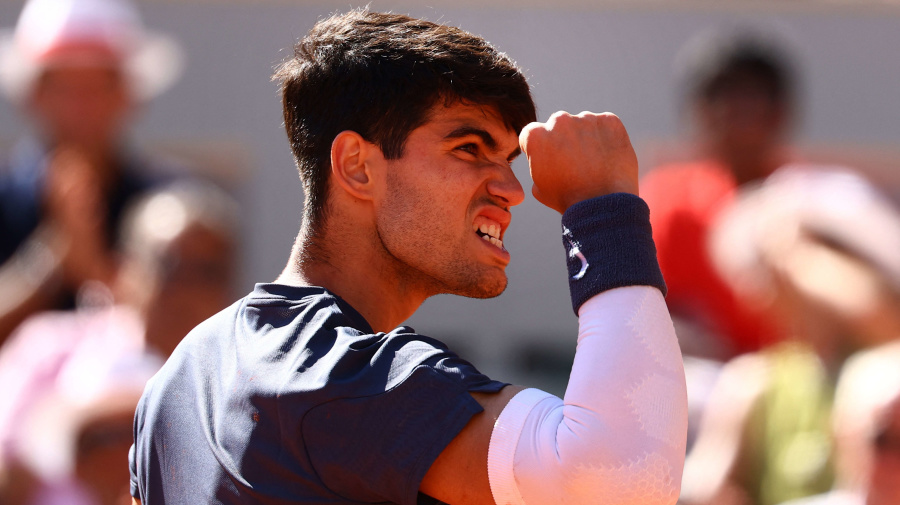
column 609, row 245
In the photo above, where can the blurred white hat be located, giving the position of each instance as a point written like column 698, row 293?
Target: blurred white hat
column 85, row 33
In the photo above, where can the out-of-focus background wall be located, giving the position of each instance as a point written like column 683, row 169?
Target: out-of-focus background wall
column 224, row 117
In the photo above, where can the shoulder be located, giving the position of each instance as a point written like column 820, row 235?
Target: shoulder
column 363, row 413
column 409, row 350
column 379, row 427
column 315, row 346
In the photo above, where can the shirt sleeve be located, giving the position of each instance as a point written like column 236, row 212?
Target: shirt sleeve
column 132, row 470
column 134, row 455
column 378, row 448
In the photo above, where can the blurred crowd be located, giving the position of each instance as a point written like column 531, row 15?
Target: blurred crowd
column 783, row 275
column 784, row 284
column 108, row 255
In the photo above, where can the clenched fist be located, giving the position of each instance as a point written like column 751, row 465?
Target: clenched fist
column 574, row 158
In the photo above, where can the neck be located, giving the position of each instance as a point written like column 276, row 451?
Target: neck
column 356, row 270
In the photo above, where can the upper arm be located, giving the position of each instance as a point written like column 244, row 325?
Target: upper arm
column 135, row 501
column 459, row 475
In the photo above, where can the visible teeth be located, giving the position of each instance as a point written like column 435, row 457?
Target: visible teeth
column 492, row 230
column 492, row 240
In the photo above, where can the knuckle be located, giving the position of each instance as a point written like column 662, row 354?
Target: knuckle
column 560, row 117
column 531, row 135
column 608, row 118
column 612, row 123
column 528, row 132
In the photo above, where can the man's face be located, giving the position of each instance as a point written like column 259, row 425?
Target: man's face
column 445, row 197
column 85, row 106
column 743, row 114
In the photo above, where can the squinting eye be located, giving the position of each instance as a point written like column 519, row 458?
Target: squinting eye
column 469, row 148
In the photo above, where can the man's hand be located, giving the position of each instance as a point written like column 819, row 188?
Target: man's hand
column 574, row 158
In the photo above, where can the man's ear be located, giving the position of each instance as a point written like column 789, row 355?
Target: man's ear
column 352, row 162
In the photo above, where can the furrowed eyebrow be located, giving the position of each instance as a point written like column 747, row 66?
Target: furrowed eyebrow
column 487, row 138
column 465, row 131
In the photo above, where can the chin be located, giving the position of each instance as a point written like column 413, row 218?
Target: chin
column 486, row 287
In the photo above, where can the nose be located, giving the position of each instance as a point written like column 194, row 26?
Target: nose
column 505, row 186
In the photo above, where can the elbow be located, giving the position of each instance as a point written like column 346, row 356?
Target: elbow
column 630, row 463
column 628, row 469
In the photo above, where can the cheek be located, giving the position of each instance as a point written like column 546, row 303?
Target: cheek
column 419, row 219
column 403, row 218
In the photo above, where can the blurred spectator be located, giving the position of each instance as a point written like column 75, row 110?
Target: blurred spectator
column 817, row 248
column 739, row 94
column 77, row 69
column 869, row 382
column 178, row 245
column 77, row 436
column 882, row 447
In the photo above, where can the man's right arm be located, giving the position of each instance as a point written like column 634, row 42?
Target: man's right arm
column 618, row 437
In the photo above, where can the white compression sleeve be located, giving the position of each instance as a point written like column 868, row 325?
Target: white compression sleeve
column 619, row 436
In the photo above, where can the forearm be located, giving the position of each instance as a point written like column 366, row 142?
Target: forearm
column 619, row 435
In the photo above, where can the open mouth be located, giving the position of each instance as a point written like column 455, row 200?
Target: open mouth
column 490, row 232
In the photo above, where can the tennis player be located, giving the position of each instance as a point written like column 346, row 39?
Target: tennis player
column 308, row 391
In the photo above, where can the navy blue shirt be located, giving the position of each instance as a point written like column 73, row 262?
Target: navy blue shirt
column 289, row 396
